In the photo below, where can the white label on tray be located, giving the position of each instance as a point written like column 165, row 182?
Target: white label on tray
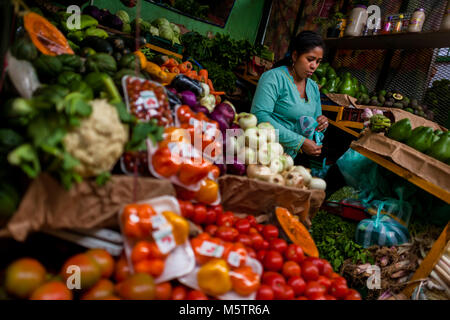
column 234, row 259
column 158, row 221
column 183, row 150
column 147, row 99
column 211, row 249
column 164, row 240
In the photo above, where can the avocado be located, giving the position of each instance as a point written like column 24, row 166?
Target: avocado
column 398, row 105
column 383, row 93
column 414, row 103
column 98, row 44
column 373, row 102
column 382, row 99
column 409, row 110
column 388, row 104
column 405, row 103
column 388, row 95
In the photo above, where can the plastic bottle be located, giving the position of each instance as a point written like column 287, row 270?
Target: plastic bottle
column 445, row 24
column 387, row 26
column 417, row 20
column 398, row 24
column 356, row 22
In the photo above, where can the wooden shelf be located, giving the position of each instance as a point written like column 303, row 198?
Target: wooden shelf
column 436, row 39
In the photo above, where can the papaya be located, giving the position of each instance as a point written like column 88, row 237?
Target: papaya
column 440, row 150
column 421, row 138
column 400, row 130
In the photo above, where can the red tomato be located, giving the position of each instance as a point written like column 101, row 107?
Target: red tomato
column 265, row 292
column 225, row 220
column 328, row 297
column 251, row 253
column 163, row 291
column 187, row 208
column 319, row 263
column 302, row 298
column 327, row 269
column 179, row 293
column 253, row 231
column 352, row 294
column 273, row 260
column 291, row 269
column 309, row 271
column 199, row 215
column 260, row 255
column 243, row 226
column 266, row 245
column 295, row 253
column 335, row 275
column 252, row 220
column 338, row 289
column 211, row 229
column 196, row 295
column 257, row 241
column 270, row 278
column 325, row 282
column 279, row 245
column 244, row 239
column 270, row 232
column 259, row 227
column 314, row 290
column 218, row 209
column 283, row 292
column 228, row 234
column 211, row 216
column 298, row 284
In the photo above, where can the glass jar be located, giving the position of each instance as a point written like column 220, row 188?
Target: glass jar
column 356, row 21
column 445, row 24
column 417, row 20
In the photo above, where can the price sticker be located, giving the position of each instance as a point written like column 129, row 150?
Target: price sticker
column 159, row 221
column 164, row 240
column 211, row 249
column 147, row 99
column 234, row 259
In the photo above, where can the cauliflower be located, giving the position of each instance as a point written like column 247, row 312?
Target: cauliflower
column 99, row 141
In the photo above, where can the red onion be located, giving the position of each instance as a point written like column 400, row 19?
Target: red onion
column 226, row 110
column 188, row 98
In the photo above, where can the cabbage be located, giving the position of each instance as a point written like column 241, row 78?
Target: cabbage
column 175, row 28
column 143, row 25
column 154, row 31
column 123, row 15
column 166, row 32
column 126, row 28
column 161, row 22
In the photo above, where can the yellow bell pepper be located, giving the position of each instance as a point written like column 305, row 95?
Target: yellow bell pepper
column 180, row 227
column 142, row 58
column 213, row 277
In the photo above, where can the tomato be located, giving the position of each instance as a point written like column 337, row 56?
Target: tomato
column 208, row 193
column 102, row 289
column 338, row 289
column 265, row 245
column 252, row 220
column 187, row 209
column 319, row 263
column 184, row 113
column 211, row 216
column 291, row 269
column 244, row 281
column 145, row 213
column 163, row 291
column 314, row 290
column 251, row 252
column 260, row 255
column 211, row 229
column 352, row 294
column 244, row 239
column 242, row 226
column 328, row 297
column 144, row 250
column 283, row 292
column 122, row 270
column 179, row 293
column 270, row 278
column 302, row 298
column 199, row 215
column 335, row 275
column 270, row 232
column 253, row 231
column 257, row 241
column 153, row 267
column 90, row 271
column 265, row 292
column 139, row 286
column 279, row 245
column 326, row 282
column 196, row 295
column 294, row 253
column 24, row 276
column 225, row 219
column 228, row 234
column 309, row 271
column 218, row 209
column 298, row 284
column 273, row 260
column 259, row 227
column 53, row 290
column 327, row 269
column 104, row 260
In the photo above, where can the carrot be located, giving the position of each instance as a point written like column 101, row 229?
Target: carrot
column 171, row 63
column 174, row 70
column 203, row 73
column 210, row 84
column 183, row 68
column 165, row 69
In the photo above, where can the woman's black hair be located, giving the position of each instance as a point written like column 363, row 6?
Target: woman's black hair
column 304, row 42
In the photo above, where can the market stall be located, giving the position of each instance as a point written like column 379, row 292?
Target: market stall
column 126, row 144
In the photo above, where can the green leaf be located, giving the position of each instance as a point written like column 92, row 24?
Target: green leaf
column 103, row 178
column 69, row 162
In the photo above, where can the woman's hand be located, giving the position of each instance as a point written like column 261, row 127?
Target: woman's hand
column 323, row 123
column 311, row 148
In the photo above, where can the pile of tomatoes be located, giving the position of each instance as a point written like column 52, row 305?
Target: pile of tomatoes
column 288, row 273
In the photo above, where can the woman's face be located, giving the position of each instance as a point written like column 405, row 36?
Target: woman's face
column 307, row 63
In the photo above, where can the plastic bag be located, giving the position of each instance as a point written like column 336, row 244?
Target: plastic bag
column 22, row 75
column 381, row 230
column 307, row 128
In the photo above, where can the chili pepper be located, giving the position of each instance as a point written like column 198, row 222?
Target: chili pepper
column 213, row 277
column 180, row 227
column 184, row 113
column 164, row 163
column 209, row 191
column 191, row 173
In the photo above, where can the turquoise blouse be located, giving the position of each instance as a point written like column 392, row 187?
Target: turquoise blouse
column 278, row 101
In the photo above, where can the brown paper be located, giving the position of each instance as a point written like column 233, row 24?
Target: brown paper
column 424, row 166
column 245, row 195
column 47, row 204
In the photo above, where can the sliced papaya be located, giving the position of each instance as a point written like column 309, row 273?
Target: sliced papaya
column 45, row 36
column 296, row 231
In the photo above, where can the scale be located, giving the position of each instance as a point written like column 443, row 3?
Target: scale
column 352, row 209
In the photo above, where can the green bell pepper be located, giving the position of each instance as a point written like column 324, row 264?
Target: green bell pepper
column 346, row 87
column 421, row 138
column 95, row 32
column 400, row 130
column 331, row 74
column 67, row 77
column 440, row 149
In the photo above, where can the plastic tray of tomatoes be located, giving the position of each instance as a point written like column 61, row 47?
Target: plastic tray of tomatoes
column 147, row 100
column 203, row 132
column 156, row 238
column 135, row 163
column 239, row 274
